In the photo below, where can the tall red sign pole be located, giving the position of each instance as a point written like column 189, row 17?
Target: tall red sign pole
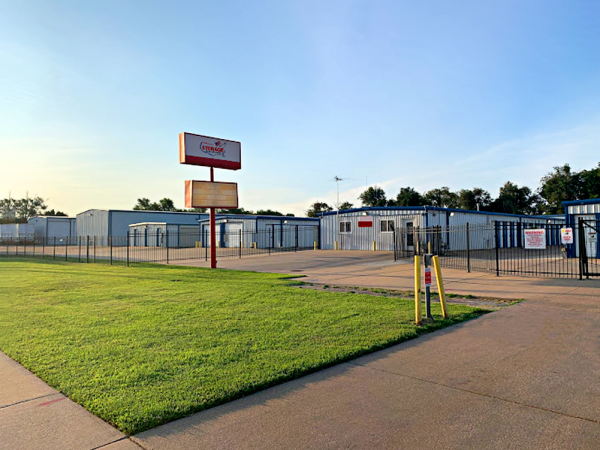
column 213, row 234
column 199, row 150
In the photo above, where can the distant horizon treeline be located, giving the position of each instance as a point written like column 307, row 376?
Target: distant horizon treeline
column 166, row 204
column 561, row 184
column 20, row 210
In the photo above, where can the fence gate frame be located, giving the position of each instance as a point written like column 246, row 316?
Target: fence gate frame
column 584, row 259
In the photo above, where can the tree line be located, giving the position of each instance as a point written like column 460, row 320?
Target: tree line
column 166, row 204
column 561, row 184
column 20, row 210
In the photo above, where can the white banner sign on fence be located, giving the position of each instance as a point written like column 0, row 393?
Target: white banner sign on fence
column 535, row 239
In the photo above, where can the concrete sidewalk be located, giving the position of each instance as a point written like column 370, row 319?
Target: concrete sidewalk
column 35, row 416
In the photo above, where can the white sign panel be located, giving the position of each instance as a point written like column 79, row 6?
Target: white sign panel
column 566, row 236
column 209, row 151
column 535, row 239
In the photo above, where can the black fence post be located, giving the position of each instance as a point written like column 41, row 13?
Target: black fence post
column 67, row 249
column 127, row 248
column 54, row 249
column 394, row 237
column 79, row 247
column 87, row 249
column 241, row 243
column 496, row 244
column 110, row 244
column 205, row 245
column 296, row 249
column 468, row 250
column 94, row 248
column 167, row 232
column 582, row 249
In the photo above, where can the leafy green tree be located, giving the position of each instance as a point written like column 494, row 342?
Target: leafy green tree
column 513, row 199
column 52, row 212
column 474, row 199
column 144, row 204
column 409, row 197
column 165, row 204
column 346, row 205
column 234, row 211
column 290, row 215
column 8, row 210
column 268, row 212
column 373, row 196
column 590, row 183
column 561, row 185
column 29, row 207
column 441, row 197
column 317, row 208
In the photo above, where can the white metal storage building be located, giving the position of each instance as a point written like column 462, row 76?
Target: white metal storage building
column 17, row 231
column 161, row 234
column 115, row 223
column 378, row 225
column 51, row 227
column 234, row 230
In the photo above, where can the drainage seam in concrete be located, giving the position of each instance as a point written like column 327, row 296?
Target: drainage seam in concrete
column 479, row 394
column 118, row 440
column 29, row 400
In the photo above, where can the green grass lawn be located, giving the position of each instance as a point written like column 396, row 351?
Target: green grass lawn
column 141, row 346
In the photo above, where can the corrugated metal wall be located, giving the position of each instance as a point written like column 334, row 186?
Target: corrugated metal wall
column 120, row 220
column 266, row 232
column 362, row 238
column 93, row 222
column 54, row 227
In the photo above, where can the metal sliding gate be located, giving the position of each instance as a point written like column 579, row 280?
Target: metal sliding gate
column 589, row 248
column 500, row 248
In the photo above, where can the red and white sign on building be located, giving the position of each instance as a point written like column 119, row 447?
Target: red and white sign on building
column 209, row 151
column 535, row 239
column 365, row 222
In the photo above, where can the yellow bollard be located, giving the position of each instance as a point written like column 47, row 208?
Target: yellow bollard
column 417, row 289
column 254, row 245
column 440, row 283
column 374, row 246
column 316, row 245
column 197, row 244
column 429, row 247
column 336, row 245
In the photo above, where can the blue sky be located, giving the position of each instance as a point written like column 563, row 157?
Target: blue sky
column 394, row 93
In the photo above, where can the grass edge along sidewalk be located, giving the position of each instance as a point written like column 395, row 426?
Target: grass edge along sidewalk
column 145, row 345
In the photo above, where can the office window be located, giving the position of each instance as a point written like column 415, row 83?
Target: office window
column 387, row 226
column 346, row 227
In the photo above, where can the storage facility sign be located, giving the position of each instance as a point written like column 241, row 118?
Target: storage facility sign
column 210, row 194
column 365, row 222
column 535, row 239
column 208, row 151
column 566, row 236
